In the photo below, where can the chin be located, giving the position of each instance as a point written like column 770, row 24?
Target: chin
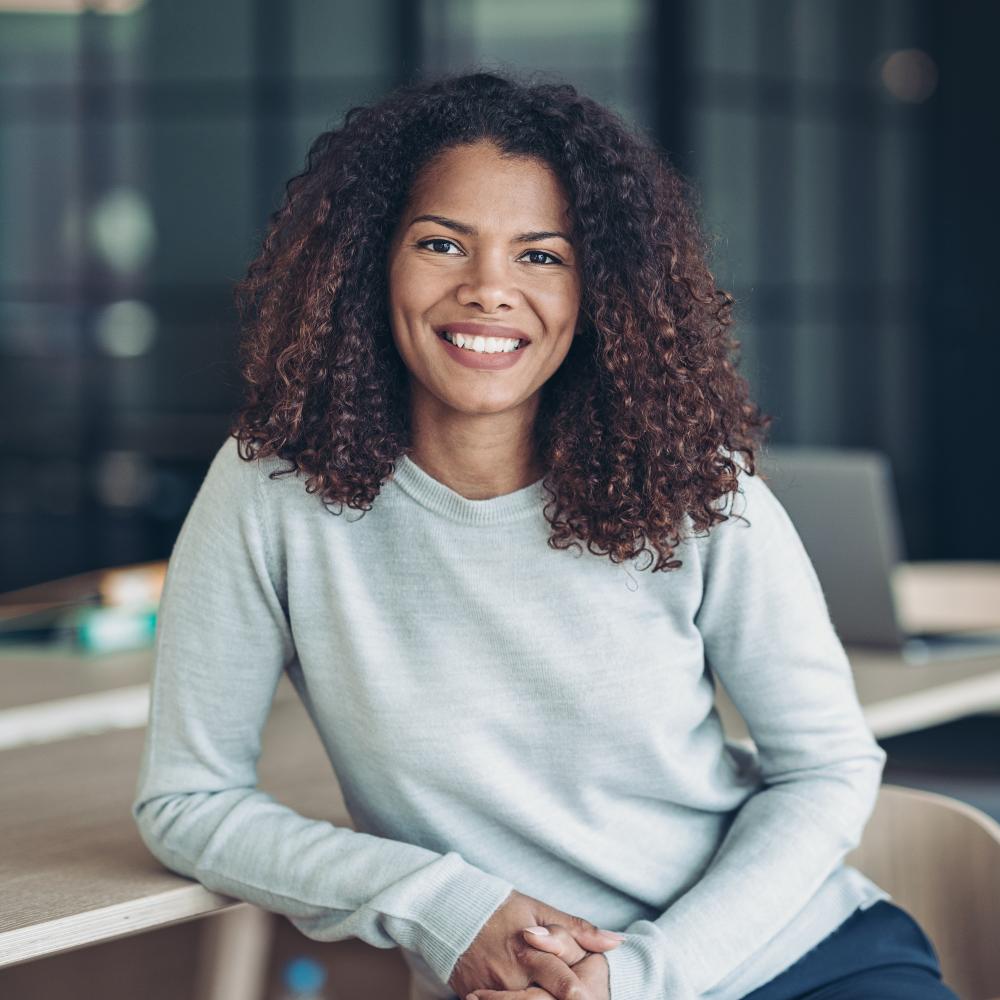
column 482, row 408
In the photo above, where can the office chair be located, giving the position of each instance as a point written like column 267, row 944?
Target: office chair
column 939, row 858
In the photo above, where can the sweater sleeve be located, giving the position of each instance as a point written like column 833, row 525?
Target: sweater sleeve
column 223, row 640
column 768, row 636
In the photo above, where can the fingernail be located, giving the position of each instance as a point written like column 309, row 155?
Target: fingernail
column 537, row 930
column 472, row 996
column 614, row 934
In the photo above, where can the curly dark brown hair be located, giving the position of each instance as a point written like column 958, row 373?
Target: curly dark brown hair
column 639, row 428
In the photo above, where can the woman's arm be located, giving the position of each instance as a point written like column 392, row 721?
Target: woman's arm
column 222, row 642
column 768, row 636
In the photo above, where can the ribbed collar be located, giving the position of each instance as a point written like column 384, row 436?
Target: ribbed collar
column 443, row 500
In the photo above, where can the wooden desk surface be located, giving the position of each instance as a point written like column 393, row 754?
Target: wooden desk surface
column 30, row 675
column 73, row 867
column 75, row 871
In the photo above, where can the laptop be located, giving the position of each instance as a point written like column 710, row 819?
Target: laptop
column 844, row 507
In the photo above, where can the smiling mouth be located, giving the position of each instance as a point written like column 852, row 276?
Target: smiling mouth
column 468, row 341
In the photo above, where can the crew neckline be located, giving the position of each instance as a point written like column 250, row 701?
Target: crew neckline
column 436, row 496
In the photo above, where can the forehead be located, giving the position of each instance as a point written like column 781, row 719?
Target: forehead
column 477, row 183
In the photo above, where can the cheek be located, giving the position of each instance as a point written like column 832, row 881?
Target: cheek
column 561, row 304
column 411, row 290
column 399, row 313
column 561, row 318
column 397, row 284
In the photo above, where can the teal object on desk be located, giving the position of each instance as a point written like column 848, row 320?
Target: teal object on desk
column 108, row 629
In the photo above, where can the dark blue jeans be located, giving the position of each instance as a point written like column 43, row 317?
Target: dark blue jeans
column 878, row 953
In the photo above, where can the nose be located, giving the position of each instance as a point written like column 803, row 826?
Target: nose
column 490, row 283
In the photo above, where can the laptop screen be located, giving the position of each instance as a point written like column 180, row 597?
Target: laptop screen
column 843, row 505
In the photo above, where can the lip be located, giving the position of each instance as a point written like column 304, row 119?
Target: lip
column 482, row 330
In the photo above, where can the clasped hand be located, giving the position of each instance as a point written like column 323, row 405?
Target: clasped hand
column 505, row 962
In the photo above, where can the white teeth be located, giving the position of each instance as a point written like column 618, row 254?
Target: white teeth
column 483, row 345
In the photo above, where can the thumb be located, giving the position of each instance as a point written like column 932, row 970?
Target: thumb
column 556, row 940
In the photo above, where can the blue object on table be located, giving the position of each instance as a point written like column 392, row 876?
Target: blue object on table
column 304, row 975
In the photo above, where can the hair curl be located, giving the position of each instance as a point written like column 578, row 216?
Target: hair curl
column 637, row 430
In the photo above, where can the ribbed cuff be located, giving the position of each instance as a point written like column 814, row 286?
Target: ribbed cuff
column 453, row 913
column 642, row 966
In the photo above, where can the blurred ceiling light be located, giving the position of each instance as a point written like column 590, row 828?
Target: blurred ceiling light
column 909, row 75
column 70, row 6
column 125, row 329
column 123, row 479
column 121, row 229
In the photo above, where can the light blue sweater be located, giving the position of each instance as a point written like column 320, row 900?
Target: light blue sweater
column 504, row 715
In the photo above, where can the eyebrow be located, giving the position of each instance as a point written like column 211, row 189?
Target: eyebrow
column 461, row 227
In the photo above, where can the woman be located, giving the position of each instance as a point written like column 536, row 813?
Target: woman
column 483, row 319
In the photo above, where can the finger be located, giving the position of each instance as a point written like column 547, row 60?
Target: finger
column 552, row 974
column 590, row 936
column 556, row 940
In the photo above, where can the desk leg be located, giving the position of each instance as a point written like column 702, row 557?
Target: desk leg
column 234, row 954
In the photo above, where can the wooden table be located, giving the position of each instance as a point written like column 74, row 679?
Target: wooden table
column 75, row 871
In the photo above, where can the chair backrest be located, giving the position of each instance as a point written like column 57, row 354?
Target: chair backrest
column 939, row 858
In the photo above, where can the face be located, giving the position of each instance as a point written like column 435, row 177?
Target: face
column 492, row 256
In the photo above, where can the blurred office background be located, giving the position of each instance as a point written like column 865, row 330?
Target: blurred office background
column 845, row 154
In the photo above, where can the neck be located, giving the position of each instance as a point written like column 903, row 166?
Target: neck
column 477, row 457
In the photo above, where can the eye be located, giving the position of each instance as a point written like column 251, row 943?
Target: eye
column 544, row 253
column 440, row 239
column 435, row 239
